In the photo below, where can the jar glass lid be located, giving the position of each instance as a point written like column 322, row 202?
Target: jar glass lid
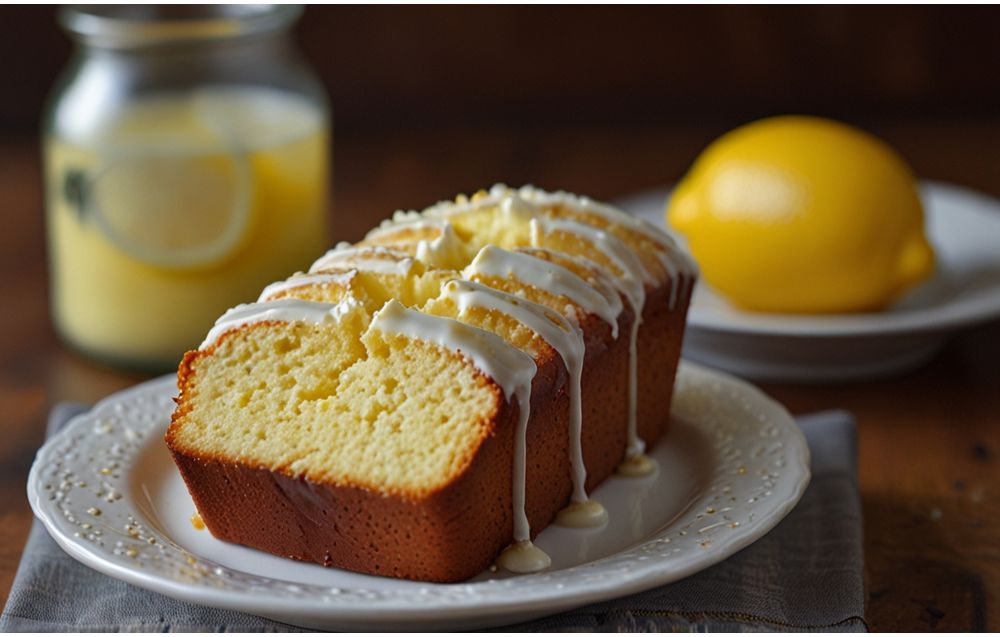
column 125, row 26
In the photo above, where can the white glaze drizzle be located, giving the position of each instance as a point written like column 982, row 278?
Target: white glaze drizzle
column 637, row 466
column 613, row 288
column 672, row 257
column 580, row 515
column 284, row 310
column 634, row 273
column 675, row 260
column 510, row 368
column 606, row 284
column 379, row 259
column 524, row 557
column 559, row 333
column 301, row 280
column 609, row 213
column 529, row 201
column 545, row 275
column 631, row 279
column 675, row 280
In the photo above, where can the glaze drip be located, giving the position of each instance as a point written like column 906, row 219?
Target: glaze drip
column 631, row 278
column 554, row 329
column 580, row 515
column 555, row 279
column 510, row 368
column 524, row 557
column 602, row 280
column 637, row 466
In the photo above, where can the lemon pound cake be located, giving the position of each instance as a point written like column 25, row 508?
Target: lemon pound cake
column 423, row 403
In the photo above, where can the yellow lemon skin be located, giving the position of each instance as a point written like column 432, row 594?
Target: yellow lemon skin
column 798, row 214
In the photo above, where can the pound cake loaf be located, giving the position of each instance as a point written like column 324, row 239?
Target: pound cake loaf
column 422, row 403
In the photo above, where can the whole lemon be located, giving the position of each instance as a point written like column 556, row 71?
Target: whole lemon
column 803, row 214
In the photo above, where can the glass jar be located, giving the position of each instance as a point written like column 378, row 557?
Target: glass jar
column 186, row 153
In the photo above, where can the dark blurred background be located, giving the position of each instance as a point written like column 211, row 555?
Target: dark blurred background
column 391, row 68
column 431, row 101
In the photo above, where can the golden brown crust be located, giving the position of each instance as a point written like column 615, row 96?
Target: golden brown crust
column 436, row 538
column 659, row 347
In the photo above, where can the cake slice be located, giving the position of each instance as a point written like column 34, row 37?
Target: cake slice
column 309, row 434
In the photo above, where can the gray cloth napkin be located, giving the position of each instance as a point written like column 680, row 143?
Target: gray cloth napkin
column 804, row 575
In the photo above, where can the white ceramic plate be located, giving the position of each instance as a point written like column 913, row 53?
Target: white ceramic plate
column 733, row 465
column 963, row 226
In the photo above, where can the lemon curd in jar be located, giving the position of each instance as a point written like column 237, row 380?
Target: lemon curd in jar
column 178, row 208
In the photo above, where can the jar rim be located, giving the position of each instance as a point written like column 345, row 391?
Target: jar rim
column 127, row 26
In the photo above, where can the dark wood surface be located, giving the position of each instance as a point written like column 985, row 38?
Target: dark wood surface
column 929, row 441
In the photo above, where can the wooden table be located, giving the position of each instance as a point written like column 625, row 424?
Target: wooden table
column 929, row 441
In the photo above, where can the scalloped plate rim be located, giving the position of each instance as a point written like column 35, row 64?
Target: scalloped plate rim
column 537, row 603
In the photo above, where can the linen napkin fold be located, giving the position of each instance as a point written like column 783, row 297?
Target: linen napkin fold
column 805, row 575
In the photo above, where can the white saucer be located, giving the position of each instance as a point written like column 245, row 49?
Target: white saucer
column 732, row 466
column 963, row 226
